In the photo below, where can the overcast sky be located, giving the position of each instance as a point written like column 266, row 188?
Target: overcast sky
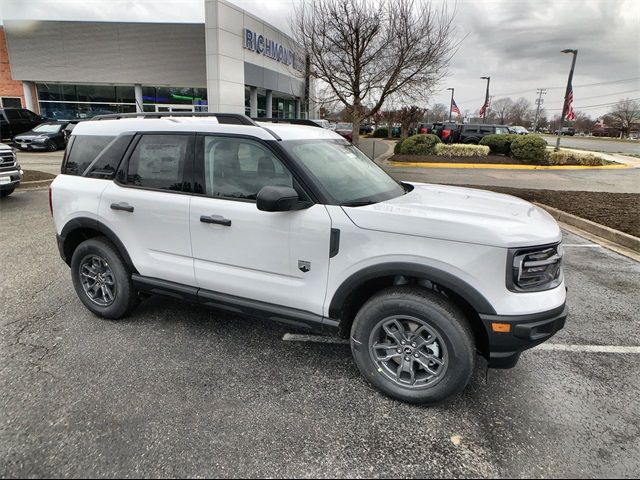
column 516, row 42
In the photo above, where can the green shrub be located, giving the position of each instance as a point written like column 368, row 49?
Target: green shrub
column 397, row 147
column 381, row 132
column 499, row 143
column 529, row 149
column 564, row 157
column 461, row 150
column 423, row 144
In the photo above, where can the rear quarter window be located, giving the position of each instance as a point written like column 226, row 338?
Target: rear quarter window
column 84, row 151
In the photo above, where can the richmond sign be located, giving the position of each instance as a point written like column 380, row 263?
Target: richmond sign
column 256, row 42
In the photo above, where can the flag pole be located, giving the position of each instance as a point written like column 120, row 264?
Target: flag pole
column 451, row 103
column 566, row 94
column 486, row 99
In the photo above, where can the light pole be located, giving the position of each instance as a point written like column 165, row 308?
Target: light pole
column 486, row 99
column 566, row 93
column 451, row 103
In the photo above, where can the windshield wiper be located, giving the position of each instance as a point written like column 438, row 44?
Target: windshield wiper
column 358, row 203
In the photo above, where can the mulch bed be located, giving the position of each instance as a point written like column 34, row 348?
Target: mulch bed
column 489, row 159
column 615, row 210
column 35, row 175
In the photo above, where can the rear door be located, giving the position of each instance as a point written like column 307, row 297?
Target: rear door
column 147, row 206
column 279, row 258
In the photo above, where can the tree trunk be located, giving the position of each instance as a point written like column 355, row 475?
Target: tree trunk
column 355, row 133
column 389, row 130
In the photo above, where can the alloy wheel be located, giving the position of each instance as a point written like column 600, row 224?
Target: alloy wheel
column 408, row 351
column 98, row 280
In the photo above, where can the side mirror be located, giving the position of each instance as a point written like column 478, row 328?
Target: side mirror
column 279, row 199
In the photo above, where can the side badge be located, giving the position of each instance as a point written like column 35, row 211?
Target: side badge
column 304, row 266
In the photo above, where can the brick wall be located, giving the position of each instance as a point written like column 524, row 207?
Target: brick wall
column 8, row 86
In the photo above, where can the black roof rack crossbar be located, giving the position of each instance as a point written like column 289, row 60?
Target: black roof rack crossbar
column 292, row 121
column 223, row 118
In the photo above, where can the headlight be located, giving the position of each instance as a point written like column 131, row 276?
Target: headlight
column 535, row 269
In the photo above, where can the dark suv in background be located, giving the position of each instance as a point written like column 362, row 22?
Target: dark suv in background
column 17, row 120
column 473, row 132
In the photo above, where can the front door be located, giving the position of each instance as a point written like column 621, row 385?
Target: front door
column 279, row 258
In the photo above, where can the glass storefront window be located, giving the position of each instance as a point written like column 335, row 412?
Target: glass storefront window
column 96, row 93
column 56, row 91
column 125, row 95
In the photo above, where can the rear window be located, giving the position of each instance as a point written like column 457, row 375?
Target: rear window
column 84, row 151
column 107, row 161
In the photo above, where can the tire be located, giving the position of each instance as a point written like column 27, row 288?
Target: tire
column 472, row 141
column 7, row 192
column 445, row 334
column 52, row 146
column 99, row 258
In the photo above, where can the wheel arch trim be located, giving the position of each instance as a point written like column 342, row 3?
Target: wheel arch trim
column 445, row 279
column 93, row 224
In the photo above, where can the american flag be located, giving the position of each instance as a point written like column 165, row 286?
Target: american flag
column 483, row 109
column 454, row 107
column 570, row 113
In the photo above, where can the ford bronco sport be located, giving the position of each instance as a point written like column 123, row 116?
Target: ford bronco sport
column 294, row 224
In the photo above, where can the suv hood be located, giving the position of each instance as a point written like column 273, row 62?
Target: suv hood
column 461, row 215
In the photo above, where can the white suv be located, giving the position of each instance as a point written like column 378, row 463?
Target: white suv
column 294, row 224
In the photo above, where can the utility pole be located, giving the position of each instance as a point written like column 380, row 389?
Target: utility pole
column 566, row 94
column 486, row 99
column 451, row 103
column 539, row 102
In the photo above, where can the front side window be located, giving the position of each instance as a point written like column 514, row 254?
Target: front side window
column 504, row 130
column 346, row 174
column 160, row 162
column 239, row 168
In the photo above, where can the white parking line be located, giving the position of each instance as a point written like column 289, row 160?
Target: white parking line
column 549, row 347
column 559, row 347
column 574, row 245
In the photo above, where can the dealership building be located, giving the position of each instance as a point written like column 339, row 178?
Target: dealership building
column 235, row 62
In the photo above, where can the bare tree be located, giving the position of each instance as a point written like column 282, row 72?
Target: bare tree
column 440, row 112
column 367, row 51
column 409, row 118
column 520, row 112
column 501, row 108
column 625, row 113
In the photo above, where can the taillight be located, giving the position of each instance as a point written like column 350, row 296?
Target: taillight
column 50, row 202
column 445, row 134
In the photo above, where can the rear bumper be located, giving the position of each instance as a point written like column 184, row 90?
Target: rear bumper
column 526, row 331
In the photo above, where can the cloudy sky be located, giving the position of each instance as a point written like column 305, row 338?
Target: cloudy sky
column 516, row 42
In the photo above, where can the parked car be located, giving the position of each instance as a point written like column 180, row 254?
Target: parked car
column 50, row 136
column 345, row 130
column 293, row 224
column 567, row 131
column 366, row 128
column 473, row 132
column 444, row 130
column 519, row 130
column 17, row 120
column 10, row 171
column 321, row 122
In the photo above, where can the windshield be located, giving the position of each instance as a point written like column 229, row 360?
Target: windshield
column 344, row 172
column 48, row 128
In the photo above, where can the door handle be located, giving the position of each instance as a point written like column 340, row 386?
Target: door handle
column 217, row 219
column 125, row 207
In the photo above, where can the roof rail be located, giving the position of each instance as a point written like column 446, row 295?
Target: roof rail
column 223, row 118
column 292, row 121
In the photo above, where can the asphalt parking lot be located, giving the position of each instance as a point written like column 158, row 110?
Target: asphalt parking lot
column 178, row 390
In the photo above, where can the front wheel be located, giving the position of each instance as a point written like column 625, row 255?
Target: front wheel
column 7, row 192
column 102, row 280
column 413, row 345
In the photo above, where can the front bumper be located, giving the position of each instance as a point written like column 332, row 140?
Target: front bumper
column 10, row 179
column 32, row 145
column 526, row 331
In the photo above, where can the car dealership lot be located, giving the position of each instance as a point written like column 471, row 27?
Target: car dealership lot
column 179, row 390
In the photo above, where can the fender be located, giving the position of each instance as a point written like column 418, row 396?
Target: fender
column 478, row 301
column 93, row 224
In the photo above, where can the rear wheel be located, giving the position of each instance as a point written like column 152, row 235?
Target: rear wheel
column 102, row 280
column 413, row 345
column 51, row 146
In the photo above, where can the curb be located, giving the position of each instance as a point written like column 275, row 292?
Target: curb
column 35, row 184
column 503, row 166
column 615, row 236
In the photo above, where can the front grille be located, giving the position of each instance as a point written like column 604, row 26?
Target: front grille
column 7, row 159
column 24, row 140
